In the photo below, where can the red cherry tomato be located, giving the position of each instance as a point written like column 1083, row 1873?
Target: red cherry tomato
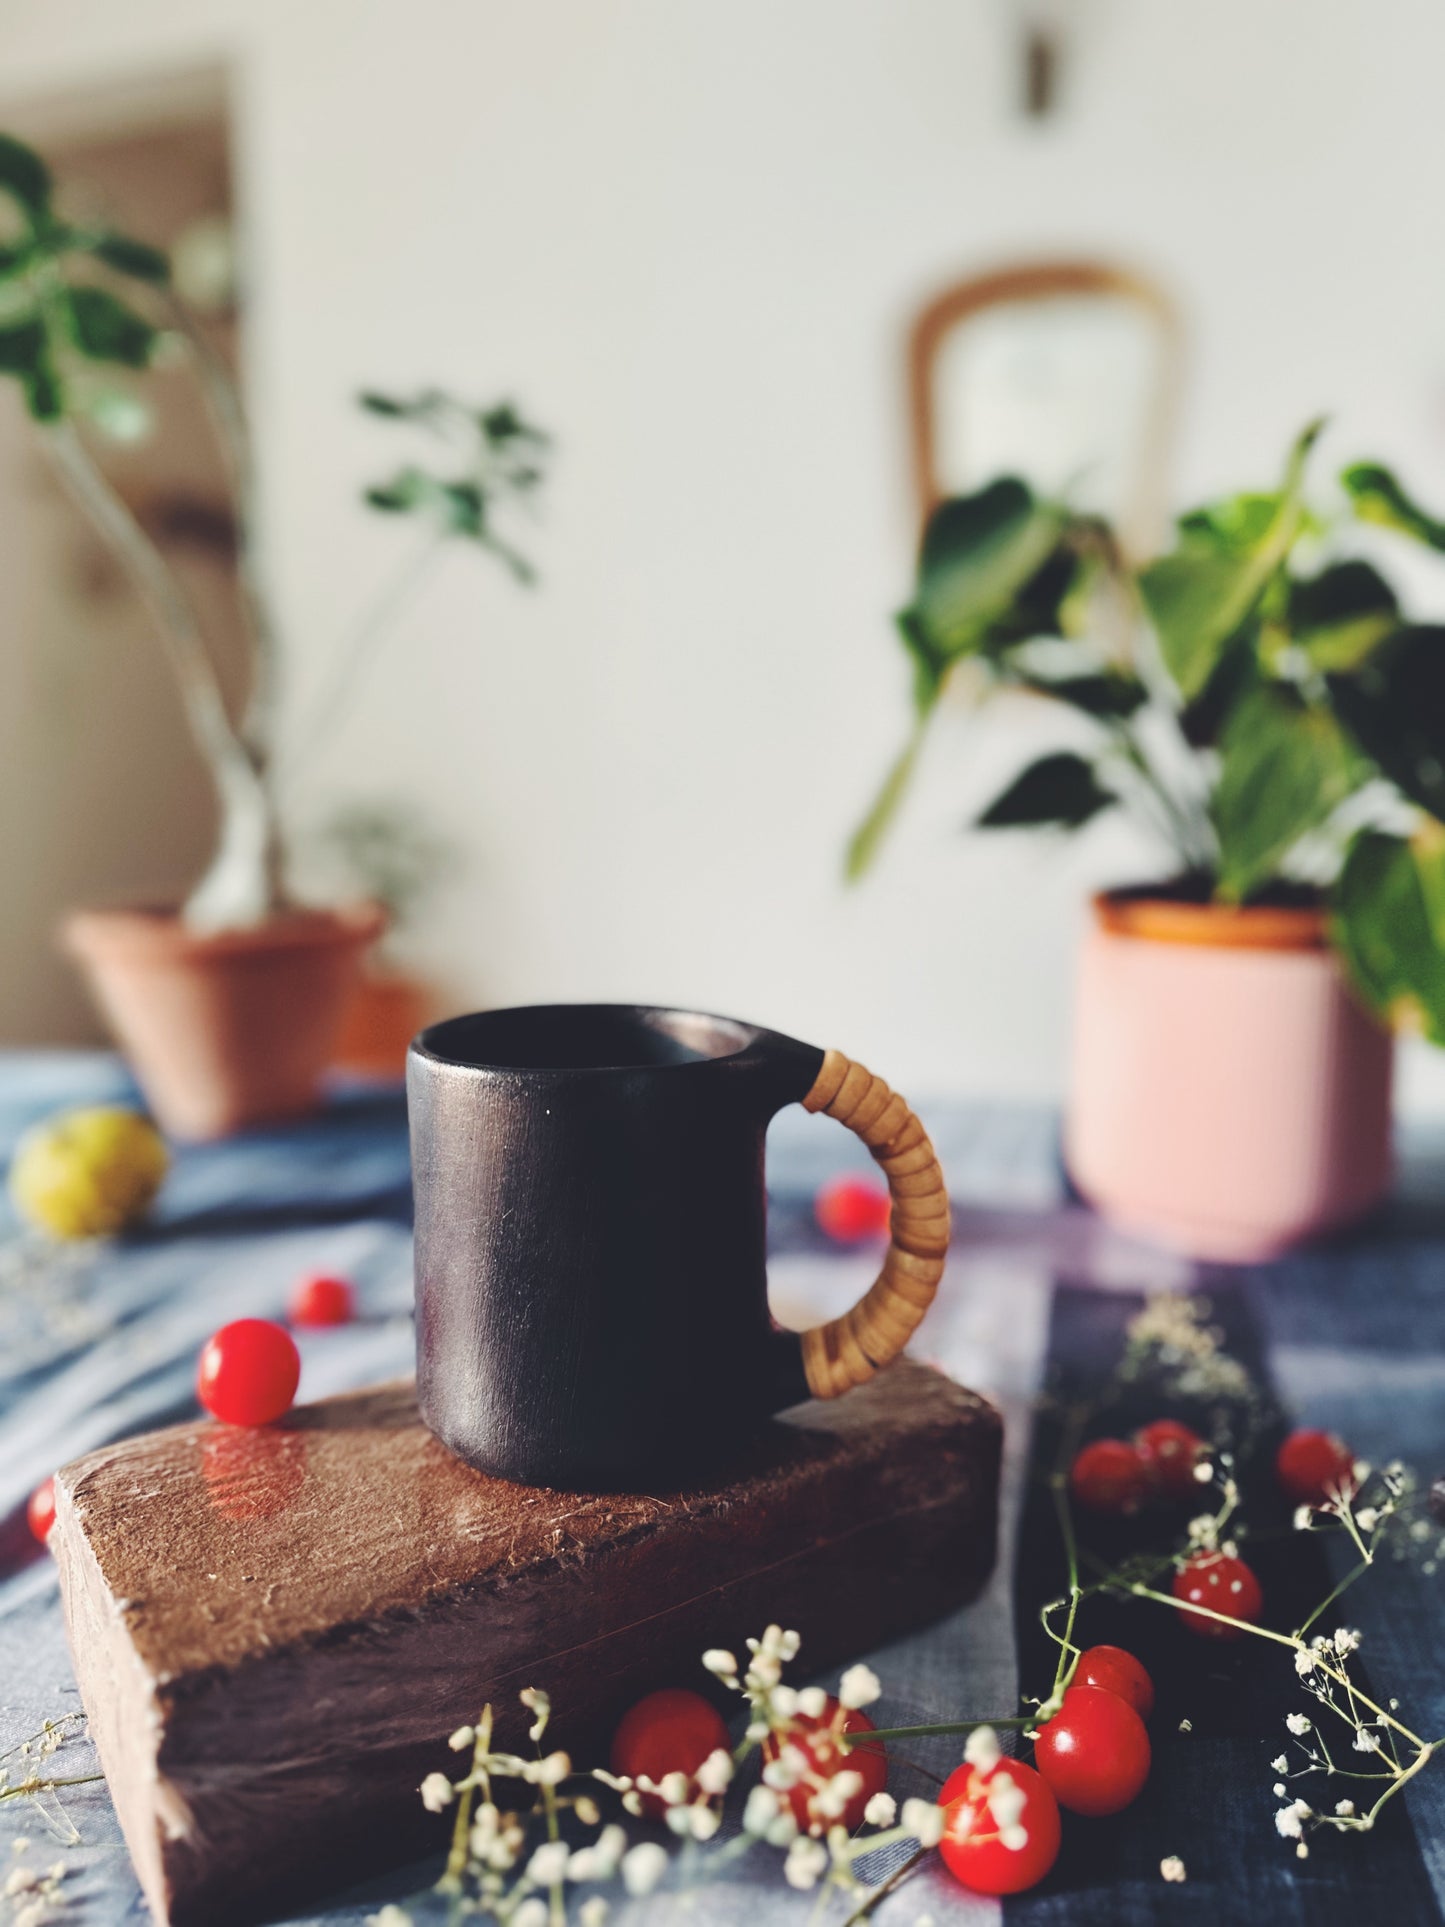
column 1224, row 1585
column 816, row 1739
column 1315, row 1466
column 1115, row 1671
column 972, row 1846
column 249, row 1372
column 320, row 1300
column 1094, row 1752
column 1109, row 1476
column 40, row 1510
column 671, row 1731
column 1170, row 1452
column 851, row 1210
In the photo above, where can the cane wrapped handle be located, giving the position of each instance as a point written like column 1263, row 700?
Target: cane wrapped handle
column 850, row 1349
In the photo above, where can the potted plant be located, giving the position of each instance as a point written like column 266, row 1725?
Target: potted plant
column 229, row 1005
column 1260, row 698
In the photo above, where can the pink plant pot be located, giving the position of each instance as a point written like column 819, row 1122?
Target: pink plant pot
column 1230, row 1095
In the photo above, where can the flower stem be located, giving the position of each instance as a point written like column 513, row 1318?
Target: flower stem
column 881, row 1892
column 929, row 1732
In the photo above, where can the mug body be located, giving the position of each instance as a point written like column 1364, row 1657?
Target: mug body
column 591, row 1291
column 1230, row 1095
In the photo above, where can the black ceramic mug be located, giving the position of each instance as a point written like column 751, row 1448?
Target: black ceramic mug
column 591, row 1288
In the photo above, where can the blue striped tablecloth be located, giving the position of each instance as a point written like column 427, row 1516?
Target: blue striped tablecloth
column 1037, row 1293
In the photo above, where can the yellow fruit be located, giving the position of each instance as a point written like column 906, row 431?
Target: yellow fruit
column 88, row 1173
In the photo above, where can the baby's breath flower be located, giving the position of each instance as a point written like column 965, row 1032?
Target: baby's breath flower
column 718, row 1660
column 1204, row 1472
column 716, row 1772
column 924, row 1819
column 1366, row 1742
column 1280, row 1764
column 830, row 1802
column 642, row 1867
column 783, row 1830
column 881, row 1810
column 806, row 1862
column 390, row 1916
column 593, row 1912
column 1301, row 1852
column 702, row 1821
column 813, row 1702
column 1289, row 1820
column 1279, row 1789
column 784, row 1702
column 1344, row 1807
column 1186, row 1726
column 436, row 1792
column 1346, row 1640
column 538, row 1703
column 760, row 1811
column 673, row 1789
column 531, row 1913
column 1304, row 1518
column 1005, row 1801
column 1304, row 1661
column 461, row 1739
column 981, row 1749
column 587, row 1810
column 1171, row 1868
column 551, row 1771
column 1297, row 1723
column 859, row 1686
column 548, row 1864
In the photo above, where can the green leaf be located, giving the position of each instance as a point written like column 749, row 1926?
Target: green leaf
column 466, row 508
column 1061, row 790
column 979, row 552
column 106, row 330
column 864, row 844
column 1285, row 767
column 25, row 175
column 1341, row 615
column 22, row 347
column 382, row 404
column 1394, row 707
column 1202, row 594
column 1382, row 927
column 1236, row 525
column 1204, row 720
column 1379, row 498
column 135, row 258
column 1108, row 694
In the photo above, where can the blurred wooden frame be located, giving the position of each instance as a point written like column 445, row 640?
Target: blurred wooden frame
column 1145, row 511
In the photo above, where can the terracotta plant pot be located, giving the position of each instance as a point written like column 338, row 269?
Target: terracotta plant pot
column 384, row 1012
column 1231, row 1097
column 229, row 1030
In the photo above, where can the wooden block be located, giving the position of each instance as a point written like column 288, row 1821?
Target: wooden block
column 274, row 1631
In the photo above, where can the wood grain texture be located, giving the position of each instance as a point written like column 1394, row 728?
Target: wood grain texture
column 849, row 1350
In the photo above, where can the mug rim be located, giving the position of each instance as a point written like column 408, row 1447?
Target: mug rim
column 424, row 1047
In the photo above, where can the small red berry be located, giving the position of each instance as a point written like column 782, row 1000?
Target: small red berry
column 972, row 1846
column 249, row 1372
column 1223, row 1584
column 1109, row 1476
column 1315, row 1466
column 816, row 1738
column 852, row 1210
column 40, row 1511
column 671, row 1731
column 1170, row 1452
column 1116, row 1671
column 320, row 1300
column 1094, row 1752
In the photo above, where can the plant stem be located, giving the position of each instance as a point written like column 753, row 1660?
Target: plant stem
column 929, row 1732
column 223, row 402
column 243, row 884
column 354, row 653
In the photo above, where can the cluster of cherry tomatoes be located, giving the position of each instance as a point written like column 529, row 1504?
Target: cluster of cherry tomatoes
column 249, row 1370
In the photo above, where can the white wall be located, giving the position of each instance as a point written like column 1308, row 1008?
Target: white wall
column 688, row 235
